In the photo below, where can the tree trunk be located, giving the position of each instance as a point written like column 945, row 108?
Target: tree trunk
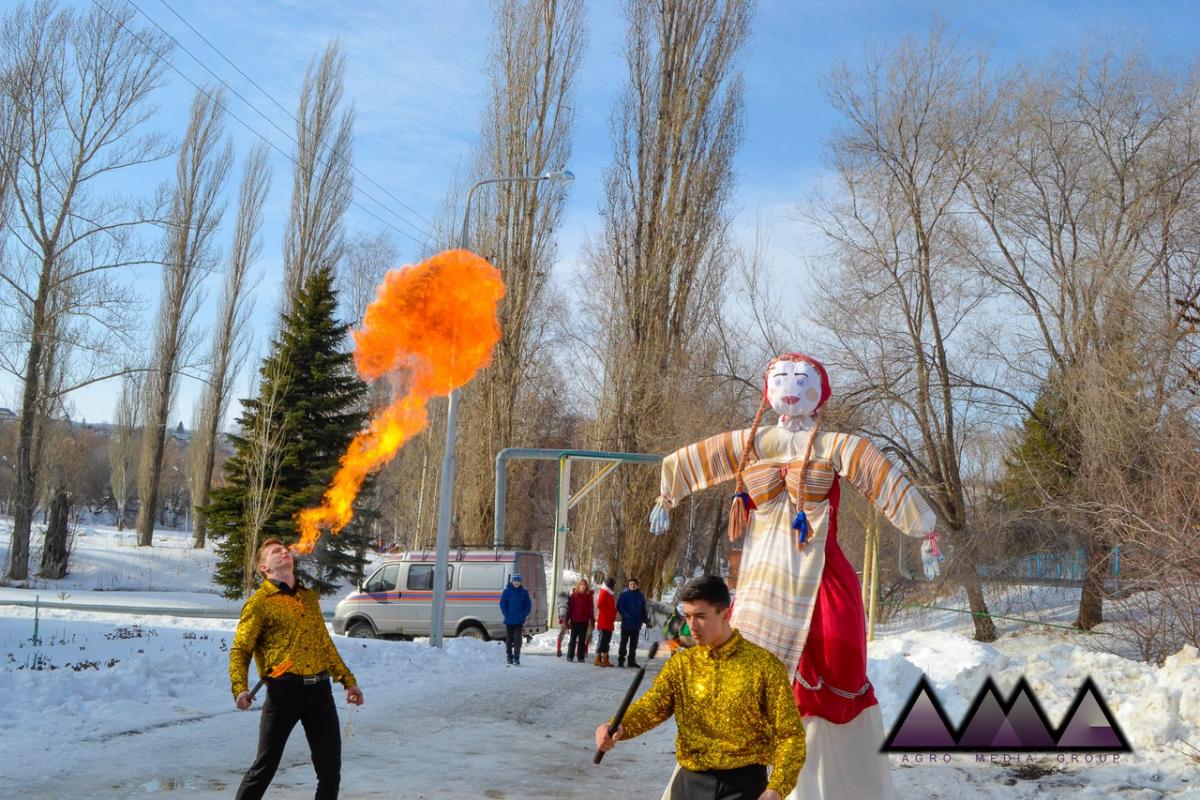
column 1091, row 601
column 249, row 568
column 964, row 566
column 199, row 524
column 152, row 458
column 719, row 527
column 985, row 629
column 199, row 521
column 25, row 495
column 57, row 549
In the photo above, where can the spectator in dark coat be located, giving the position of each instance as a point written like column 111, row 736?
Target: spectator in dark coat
column 582, row 613
column 515, row 605
column 631, row 605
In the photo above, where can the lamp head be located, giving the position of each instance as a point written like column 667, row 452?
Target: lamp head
column 559, row 176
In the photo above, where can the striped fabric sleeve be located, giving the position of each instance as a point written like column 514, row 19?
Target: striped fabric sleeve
column 865, row 466
column 698, row 466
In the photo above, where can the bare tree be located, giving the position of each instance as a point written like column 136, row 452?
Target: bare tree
column 367, row 258
column 1087, row 195
column 321, row 184
column 264, row 458
column 899, row 307
column 656, row 275
column 231, row 335
column 124, row 445
column 194, row 216
column 78, row 87
column 527, row 130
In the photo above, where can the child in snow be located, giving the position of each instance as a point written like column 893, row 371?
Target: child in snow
column 564, row 622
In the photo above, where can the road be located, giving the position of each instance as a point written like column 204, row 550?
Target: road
column 527, row 733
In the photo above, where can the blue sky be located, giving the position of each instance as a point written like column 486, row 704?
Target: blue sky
column 415, row 73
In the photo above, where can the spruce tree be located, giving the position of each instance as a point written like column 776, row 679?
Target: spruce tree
column 1043, row 462
column 311, row 403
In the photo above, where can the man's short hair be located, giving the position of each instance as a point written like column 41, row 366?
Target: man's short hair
column 262, row 548
column 634, row 580
column 709, row 589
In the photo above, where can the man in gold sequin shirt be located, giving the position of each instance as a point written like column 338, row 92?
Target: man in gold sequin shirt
column 282, row 624
column 733, row 706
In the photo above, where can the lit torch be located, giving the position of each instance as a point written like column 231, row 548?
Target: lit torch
column 435, row 325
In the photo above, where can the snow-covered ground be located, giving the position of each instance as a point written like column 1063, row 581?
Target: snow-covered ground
column 114, row 705
column 108, row 568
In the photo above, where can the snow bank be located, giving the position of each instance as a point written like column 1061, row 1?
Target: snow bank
column 1154, row 706
column 98, row 682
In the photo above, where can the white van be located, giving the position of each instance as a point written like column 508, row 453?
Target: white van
column 397, row 598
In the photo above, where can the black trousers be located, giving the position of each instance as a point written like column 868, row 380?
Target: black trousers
column 604, row 643
column 513, row 634
column 629, row 638
column 312, row 706
column 577, row 647
column 743, row 783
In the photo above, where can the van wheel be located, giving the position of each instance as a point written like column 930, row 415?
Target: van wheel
column 473, row 632
column 361, row 629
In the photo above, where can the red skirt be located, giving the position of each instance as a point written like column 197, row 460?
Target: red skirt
column 831, row 681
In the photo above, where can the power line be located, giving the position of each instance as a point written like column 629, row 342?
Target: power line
column 247, row 126
column 271, row 122
column 281, row 107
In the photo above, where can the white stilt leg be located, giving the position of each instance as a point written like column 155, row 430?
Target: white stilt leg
column 844, row 762
column 667, row 792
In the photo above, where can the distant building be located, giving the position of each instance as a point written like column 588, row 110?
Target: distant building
column 7, row 414
column 181, row 434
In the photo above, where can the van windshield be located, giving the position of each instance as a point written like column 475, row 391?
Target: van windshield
column 384, row 579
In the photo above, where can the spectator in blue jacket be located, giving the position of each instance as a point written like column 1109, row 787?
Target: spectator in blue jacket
column 631, row 605
column 515, row 605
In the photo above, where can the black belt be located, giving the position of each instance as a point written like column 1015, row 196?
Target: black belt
column 748, row 772
column 740, row 782
column 307, row 680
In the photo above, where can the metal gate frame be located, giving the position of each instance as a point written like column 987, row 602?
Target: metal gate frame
column 566, row 501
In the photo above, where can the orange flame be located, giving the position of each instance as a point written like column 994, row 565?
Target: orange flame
column 281, row 668
column 435, row 324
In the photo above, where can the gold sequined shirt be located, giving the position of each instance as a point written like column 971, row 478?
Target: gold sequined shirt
column 733, row 707
column 277, row 625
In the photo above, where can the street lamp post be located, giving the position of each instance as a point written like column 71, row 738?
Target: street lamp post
column 446, row 488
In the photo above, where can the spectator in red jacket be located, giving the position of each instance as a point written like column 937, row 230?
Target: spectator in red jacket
column 606, row 620
column 581, row 613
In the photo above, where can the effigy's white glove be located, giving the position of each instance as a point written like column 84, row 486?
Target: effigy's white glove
column 660, row 518
column 931, row 556
column 930, row 562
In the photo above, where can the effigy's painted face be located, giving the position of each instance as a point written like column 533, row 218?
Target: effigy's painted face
column 794, row 388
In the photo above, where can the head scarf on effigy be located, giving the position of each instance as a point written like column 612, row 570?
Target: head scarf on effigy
column 739, row 511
